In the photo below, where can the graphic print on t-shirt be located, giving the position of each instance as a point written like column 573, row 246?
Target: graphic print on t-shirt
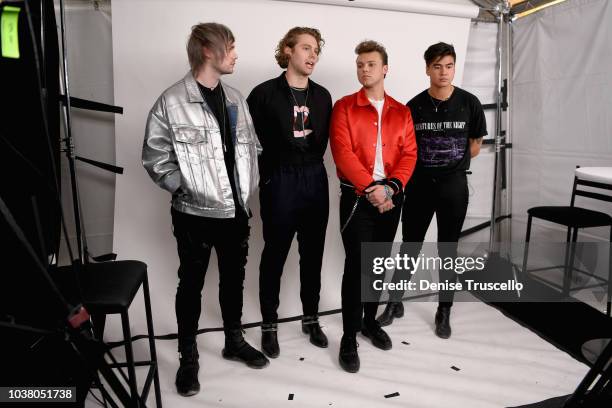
column 301, row 115
column 441, row 143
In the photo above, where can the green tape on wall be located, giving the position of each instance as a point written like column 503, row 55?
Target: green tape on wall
column 8, row 30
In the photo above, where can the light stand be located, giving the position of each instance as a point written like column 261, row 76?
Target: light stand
column 84, row 255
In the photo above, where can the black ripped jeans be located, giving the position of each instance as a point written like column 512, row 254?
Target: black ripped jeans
column 195, row 238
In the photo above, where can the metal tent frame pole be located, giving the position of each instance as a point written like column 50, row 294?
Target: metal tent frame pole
column 69, row 142
column 503, row 11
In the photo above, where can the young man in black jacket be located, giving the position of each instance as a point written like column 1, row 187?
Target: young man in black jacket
column 291, row 115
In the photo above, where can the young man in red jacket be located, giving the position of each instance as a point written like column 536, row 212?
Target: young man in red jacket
column 373, row 144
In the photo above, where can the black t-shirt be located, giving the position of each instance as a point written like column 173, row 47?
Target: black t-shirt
column 302, row 127
column 442, row 131
column 214, row 99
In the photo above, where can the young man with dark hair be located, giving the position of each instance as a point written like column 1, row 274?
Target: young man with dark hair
column 449, row 124
column 200, row 145
column 372, row 141
column 291, row 115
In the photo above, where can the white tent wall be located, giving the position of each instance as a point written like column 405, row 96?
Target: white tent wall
column 148, row 52
column 90, row 69
column 562, row 100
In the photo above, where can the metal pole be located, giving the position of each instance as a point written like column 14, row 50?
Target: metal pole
column 68, row 137
column 509, row 153
column 502, row 10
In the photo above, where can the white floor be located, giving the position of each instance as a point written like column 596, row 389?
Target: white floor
column 500, row 364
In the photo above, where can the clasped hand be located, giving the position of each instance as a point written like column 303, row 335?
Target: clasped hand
column 377, row 196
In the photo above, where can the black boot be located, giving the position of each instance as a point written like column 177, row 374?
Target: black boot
column 187, row 383
column 443, row 329
column 269, row 340
column 236, row 348
column 379, row 337
column 310, row 325
column 392, row 310
column 348, row 357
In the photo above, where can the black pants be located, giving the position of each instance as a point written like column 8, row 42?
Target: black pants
column 294, row 200
column 365, row 225
column 447, row 197
column 195, row 238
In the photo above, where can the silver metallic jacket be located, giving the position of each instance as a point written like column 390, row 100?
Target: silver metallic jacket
column 182, row 148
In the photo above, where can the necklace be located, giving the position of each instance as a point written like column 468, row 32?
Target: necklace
column 441, row 101
column 436, row 106
column 298, row 105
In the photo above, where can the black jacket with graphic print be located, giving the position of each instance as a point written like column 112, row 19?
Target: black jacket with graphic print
column 271, row 105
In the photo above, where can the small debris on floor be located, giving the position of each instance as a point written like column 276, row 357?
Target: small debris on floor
column 290, row 397
column 456, row 368
column 395, row 394
column 406, row 343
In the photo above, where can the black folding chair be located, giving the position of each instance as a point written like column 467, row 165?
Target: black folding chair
column 575, row 218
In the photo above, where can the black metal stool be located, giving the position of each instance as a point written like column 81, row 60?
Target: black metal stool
column 109, row 288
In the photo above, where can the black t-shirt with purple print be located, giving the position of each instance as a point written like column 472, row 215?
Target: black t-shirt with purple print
column 442, row 131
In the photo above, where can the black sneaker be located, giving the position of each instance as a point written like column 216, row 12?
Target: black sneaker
column 442, row 320
column 187, row 383
column 310, row 326
column 269, row 340
column 379, row 337
column 392, row 310
column 348, row 357
column 236, row 348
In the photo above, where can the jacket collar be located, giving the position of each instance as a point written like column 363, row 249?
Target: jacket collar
column 282, row 81
column 362, row 99
column 195, row 96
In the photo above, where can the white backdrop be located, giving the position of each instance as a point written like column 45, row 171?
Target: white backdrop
column 479, row 79
column 149, row 55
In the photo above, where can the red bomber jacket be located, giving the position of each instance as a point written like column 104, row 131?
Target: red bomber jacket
column 353, row 132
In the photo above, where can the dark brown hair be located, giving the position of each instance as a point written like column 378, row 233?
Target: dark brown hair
column 290, row 40
column 214, row 36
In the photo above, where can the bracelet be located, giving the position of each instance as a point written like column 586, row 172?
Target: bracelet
column 388, row 191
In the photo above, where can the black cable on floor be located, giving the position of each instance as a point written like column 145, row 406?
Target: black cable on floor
column 173, row 336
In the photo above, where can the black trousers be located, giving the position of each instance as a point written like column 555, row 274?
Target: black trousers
column 365, row 225
column 295, row 200
column 446, row 196
column 195, row 238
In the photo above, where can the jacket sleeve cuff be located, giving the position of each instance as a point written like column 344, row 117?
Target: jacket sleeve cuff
column 395, row 184
column 171, row 182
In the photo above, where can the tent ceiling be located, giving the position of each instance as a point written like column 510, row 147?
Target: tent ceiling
column 517, row 7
